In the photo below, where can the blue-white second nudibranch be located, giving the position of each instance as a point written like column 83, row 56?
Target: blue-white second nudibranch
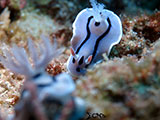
column 95, row 31
column 58, row 89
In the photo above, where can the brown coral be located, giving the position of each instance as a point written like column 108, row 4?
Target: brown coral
column 138, row 34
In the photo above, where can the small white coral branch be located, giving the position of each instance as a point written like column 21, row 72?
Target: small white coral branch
column 16, row 59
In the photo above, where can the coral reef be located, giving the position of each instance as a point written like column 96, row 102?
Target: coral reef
column 125, row 86
column 40, row 89
column 132, row 7
column 39, row 21
column 130, row 94
column 61, row 10
column 135, row 35
column 16, row 32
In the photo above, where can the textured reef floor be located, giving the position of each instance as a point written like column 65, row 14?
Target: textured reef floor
column 125, row 86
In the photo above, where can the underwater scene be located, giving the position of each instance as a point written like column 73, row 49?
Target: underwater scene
column 79, row 59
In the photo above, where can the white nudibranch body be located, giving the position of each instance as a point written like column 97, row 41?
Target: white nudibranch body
column 95, row 31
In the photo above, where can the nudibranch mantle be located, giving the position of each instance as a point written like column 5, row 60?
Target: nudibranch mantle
column 95, row 31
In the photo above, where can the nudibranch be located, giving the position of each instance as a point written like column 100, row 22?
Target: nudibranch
column 95, row 31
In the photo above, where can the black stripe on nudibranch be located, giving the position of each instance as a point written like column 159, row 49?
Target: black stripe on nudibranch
column 88, row 35
column 37, row 75
column 81, row 60
column 100, row 38
column 73, row 60
column 54, row 79
column 78, row 69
